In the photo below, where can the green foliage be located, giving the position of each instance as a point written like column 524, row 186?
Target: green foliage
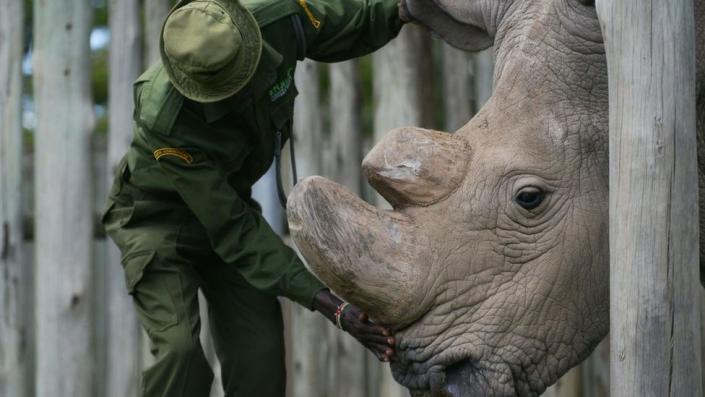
column 101, row 124
column 100, row 13
column 99, row 58
column 28, row 139
column 99, row 76
column 28, row 17
column 366, row 81
column 27, row 84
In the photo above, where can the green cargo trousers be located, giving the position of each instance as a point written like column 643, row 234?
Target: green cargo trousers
column 167, row 258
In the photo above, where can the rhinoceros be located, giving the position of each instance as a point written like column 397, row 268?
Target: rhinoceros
column 492, row 268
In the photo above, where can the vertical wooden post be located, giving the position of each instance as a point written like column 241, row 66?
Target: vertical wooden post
column 154, row 13
column 64, row 199
column 596, row 371
column 307, row 118
column 457, row 87
column 702, row 331
column 346, row 136
column 347, row 366
column 309, row 353
column 122, row 332
column 397, row 100
column 483, row 70
column 569, row 385
column 13, row 353
column 654, row 313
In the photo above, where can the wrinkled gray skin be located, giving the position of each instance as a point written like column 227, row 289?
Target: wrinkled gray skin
column 510, row 299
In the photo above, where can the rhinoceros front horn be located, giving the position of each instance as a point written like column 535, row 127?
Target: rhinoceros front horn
column 368, row 256
column 416, row 167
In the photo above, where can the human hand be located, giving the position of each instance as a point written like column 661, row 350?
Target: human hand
column 376, row 338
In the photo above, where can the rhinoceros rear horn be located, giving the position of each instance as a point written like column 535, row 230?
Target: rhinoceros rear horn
column 416, row 167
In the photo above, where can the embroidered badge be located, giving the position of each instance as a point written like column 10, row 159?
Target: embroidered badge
column 170, row 151
column 281, row 87
column 315, row 22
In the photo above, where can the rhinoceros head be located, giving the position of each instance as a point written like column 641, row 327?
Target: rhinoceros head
column 492, row 267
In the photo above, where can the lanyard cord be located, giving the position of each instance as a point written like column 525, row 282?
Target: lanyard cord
column 300, row 55
column 292, row 154
column 278, row 165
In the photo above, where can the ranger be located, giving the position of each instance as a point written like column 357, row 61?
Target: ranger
column 208, row 120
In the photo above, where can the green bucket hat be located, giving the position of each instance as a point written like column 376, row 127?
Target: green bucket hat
column 210, row 48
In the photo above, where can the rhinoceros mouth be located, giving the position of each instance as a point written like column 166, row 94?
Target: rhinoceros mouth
column 421, row 368
column 459, row 372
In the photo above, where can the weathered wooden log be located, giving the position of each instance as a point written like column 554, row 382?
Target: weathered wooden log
column 122, row 334
column 64, row 199
column 457, row 87
column 154, row 13
column 654, row 309
column 483, row 70
column 29, row 235
column 14, row 377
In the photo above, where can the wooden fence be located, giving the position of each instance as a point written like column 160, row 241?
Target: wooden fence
column 654, row 288
column 67, row 327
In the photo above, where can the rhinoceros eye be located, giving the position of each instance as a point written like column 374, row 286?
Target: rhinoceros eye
column 530, row 198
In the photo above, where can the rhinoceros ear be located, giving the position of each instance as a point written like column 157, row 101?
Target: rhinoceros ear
column 464, row 36
column 416, row 167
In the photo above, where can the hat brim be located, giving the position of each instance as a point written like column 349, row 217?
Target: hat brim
column 231, row 78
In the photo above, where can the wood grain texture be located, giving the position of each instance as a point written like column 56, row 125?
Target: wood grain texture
column 654, row 312
column 14, row 308
column 64, row 199
column 346, row 134
column 122, row 338
column 155, row 11
column 457, row 76
column 567, row 386
column 483, row 71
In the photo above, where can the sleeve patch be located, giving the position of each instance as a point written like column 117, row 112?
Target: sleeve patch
column 315, row 22
column 170, row 151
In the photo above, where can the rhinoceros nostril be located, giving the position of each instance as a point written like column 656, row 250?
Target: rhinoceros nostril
column 459, row 378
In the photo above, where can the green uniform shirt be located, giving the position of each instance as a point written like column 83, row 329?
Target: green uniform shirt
column 211, row 154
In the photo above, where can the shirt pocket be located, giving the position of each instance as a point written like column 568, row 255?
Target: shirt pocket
column 282, row 110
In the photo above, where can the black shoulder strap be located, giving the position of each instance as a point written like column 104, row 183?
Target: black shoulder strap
column 300, row 37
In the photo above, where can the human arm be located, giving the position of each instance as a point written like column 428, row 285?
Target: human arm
column 237, row 232
column 338, row 30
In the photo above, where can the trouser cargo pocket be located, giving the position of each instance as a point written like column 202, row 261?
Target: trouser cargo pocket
column 155, row 290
